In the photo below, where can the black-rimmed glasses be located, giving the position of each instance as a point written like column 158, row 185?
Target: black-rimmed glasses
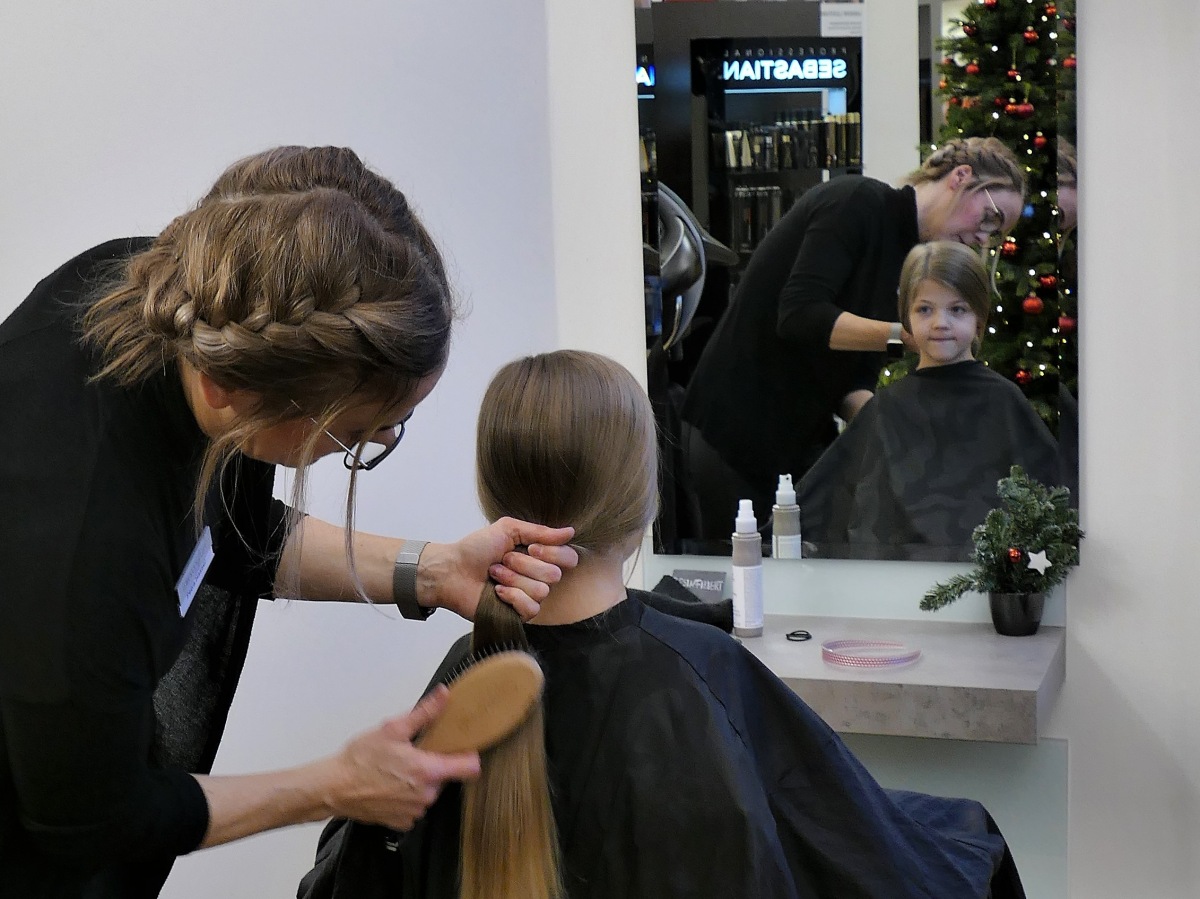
column 371, row 457
column 991, row 222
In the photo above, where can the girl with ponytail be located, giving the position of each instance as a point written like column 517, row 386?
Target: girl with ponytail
column 664, row 762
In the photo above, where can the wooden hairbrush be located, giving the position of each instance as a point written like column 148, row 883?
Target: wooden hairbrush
column 487, row 702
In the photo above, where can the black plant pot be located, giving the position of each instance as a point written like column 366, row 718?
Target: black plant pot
column 1016, row 614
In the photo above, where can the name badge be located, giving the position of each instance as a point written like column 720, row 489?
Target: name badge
column 194, row 571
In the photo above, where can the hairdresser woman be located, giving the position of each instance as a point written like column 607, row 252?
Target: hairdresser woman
column 148, row 388
column 804, row 337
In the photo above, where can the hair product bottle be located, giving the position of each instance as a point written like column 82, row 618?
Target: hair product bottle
column 747, row 573
column 785, row 521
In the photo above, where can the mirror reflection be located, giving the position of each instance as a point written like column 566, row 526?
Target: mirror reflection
column 877, row 354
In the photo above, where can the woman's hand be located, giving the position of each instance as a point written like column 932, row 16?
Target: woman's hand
column 453, row 575
column 379, row 776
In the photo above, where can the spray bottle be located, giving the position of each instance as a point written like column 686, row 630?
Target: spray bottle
column 785, row 521
column 747, row 573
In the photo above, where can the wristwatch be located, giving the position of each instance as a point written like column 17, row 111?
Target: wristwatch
column 895, row 341
column 404, row 581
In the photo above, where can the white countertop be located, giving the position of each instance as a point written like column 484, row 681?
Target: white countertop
column 970, row 683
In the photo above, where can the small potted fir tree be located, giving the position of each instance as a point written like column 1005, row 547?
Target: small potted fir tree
column 1023, row 548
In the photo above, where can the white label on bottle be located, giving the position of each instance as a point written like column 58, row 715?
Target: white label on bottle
column 787, row 546
column 747, row 596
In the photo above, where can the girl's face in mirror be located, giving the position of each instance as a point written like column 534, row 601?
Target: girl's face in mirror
column 943, row 325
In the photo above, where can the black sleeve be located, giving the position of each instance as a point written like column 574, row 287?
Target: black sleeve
column 832, row 244
column 85, row 794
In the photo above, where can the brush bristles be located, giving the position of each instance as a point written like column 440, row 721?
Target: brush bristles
column 475, row 656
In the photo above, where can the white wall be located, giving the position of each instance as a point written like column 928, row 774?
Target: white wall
column 85, row 157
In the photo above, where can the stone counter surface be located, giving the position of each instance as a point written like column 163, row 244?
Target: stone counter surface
column 969, row 684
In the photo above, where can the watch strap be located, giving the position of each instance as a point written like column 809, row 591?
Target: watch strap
column 404, row 581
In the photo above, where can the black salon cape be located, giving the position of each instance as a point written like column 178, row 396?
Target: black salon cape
column 916, row 470
column 681, row 767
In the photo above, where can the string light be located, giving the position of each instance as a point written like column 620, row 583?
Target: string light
column 1029, row 343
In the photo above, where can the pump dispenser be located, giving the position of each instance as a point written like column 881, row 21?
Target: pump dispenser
column 785, row 521
column 747, row 573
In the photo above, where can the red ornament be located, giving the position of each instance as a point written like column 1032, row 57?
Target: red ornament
column 1032, row 305
column 1013, row 74
column 1066, row 324
column 1048, row 281
column 955, row 101
column 1008, row 249
column 1023, row 376
column 972, row 68
column 1040, row 141
column 970, row 29
column 1069, row 24
column 1031, row 36
column 1051, row 9
column 942, row 84
column 946, row 60
column 990, row 4
column 1000, row 102
column 1011, row 109
column 1014, row 555
column 1069, row 62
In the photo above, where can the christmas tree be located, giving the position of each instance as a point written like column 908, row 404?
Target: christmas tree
column 1026, row 545
column 999, row 78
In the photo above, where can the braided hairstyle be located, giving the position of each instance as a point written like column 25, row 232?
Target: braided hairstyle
column 301, row 276
column 992, row 163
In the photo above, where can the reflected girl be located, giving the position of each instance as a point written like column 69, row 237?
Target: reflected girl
column 918, row 467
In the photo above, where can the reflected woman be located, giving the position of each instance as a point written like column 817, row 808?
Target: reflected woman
column 805, row 335
column 679, row 765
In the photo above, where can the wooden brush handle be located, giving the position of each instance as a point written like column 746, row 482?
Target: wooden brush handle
column 487, row 702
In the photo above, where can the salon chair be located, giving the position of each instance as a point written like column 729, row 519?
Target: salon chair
column 684, row 253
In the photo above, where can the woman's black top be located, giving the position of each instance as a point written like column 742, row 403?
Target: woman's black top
column 109, row 694
column 681, row 768
column 766, row 387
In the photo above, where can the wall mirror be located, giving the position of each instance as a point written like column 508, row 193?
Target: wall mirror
column 746, row 107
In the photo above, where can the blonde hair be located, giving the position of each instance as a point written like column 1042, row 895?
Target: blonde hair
column 563, row 438
column 993, row 164
column 956, row 266
column 301, row 276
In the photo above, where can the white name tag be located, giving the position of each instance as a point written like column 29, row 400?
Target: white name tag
column 194, row 571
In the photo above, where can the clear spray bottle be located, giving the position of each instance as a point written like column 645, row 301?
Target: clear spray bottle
column 785, row 521
column 747, row 573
